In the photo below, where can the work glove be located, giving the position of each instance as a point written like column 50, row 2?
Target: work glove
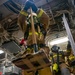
column 30, row 3
column 23, row 42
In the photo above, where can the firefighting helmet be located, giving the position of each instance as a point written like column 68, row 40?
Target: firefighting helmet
column 34, row 17
column 55, row 48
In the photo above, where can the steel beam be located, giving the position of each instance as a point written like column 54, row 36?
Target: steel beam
column 69, row 33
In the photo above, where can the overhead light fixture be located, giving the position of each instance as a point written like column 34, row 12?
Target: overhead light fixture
column 1, row 51
column 58, row 40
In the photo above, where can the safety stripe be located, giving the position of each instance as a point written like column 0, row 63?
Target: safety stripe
column 24, row 13
column 56, row 56
column 40, row 13
column 72, row 57
column 28, row 49
column 40, row 33
column 30, row 33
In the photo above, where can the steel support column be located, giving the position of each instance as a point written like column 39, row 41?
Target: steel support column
column 69, row 33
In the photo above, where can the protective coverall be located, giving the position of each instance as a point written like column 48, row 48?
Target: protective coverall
column 71, row 58
column 43, row 22
column 59, row 61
